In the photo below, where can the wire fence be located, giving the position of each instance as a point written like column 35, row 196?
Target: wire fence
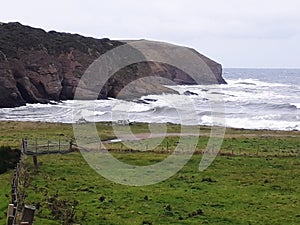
column 40, row 147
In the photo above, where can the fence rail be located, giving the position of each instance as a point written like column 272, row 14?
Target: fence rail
column 40, row 147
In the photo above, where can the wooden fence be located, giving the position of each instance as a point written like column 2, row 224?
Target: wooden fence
column 12, row 211
column 17, row 212
column 14, row 217
column 40, row 147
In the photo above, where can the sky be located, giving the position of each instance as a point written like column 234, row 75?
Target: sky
column 235, row 33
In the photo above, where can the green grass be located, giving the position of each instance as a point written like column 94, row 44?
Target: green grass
column 233, row 190
column 11, row 132
column 250, row 146
column 5, row 180
column 254, row 180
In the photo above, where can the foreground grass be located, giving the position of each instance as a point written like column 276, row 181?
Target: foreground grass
column 5, row 180
column 255, row 180
column 233, row 190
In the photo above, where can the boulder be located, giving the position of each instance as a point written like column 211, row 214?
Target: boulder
column 189, row 93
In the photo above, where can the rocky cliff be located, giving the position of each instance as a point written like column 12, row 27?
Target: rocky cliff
column 38, row 66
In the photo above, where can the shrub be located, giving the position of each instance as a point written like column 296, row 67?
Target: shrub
column 8, row 158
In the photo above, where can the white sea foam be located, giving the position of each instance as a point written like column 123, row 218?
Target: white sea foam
column 247, row 82
column 296, row 104
column 252, row 103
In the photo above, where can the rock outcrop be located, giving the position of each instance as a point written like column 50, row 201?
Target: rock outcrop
column 38, row 66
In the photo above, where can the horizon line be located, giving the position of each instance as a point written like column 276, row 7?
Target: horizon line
column 266, row 68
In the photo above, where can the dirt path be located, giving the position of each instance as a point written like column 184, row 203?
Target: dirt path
column 143, row 136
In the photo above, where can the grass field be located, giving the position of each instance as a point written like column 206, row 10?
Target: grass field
column 233, row 190
column 256, row 180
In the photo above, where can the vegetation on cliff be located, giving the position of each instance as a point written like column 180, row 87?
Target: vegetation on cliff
column 38, row 66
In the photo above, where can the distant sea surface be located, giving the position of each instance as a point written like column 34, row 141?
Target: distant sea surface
column 252, row 99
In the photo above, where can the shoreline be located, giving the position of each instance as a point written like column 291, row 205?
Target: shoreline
column 108, row 123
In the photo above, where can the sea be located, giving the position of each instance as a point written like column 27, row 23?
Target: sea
column 251, row 99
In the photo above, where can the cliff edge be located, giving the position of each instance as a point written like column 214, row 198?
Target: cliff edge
column 38, row 66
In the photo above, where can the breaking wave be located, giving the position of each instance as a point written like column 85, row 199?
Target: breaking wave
column 254, row 99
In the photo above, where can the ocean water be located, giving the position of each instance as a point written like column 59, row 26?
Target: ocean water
column 252, row 99
column 263, row 98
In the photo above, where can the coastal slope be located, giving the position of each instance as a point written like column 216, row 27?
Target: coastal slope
column 38, row 66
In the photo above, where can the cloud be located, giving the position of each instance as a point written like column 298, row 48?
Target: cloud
column 227, row 24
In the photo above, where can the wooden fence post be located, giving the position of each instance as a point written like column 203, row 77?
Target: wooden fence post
column 36, row 146
column 23, row 148
column 10, row 214
column 28, row 214
column 24, row 145
column 71, row 146
column 10, row 210
column 59, row 144
column 35, row 161
column 10, row 220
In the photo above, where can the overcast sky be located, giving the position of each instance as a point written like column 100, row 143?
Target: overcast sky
column 236, row 33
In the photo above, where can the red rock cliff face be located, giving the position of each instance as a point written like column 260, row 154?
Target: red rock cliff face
column 38, row 66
